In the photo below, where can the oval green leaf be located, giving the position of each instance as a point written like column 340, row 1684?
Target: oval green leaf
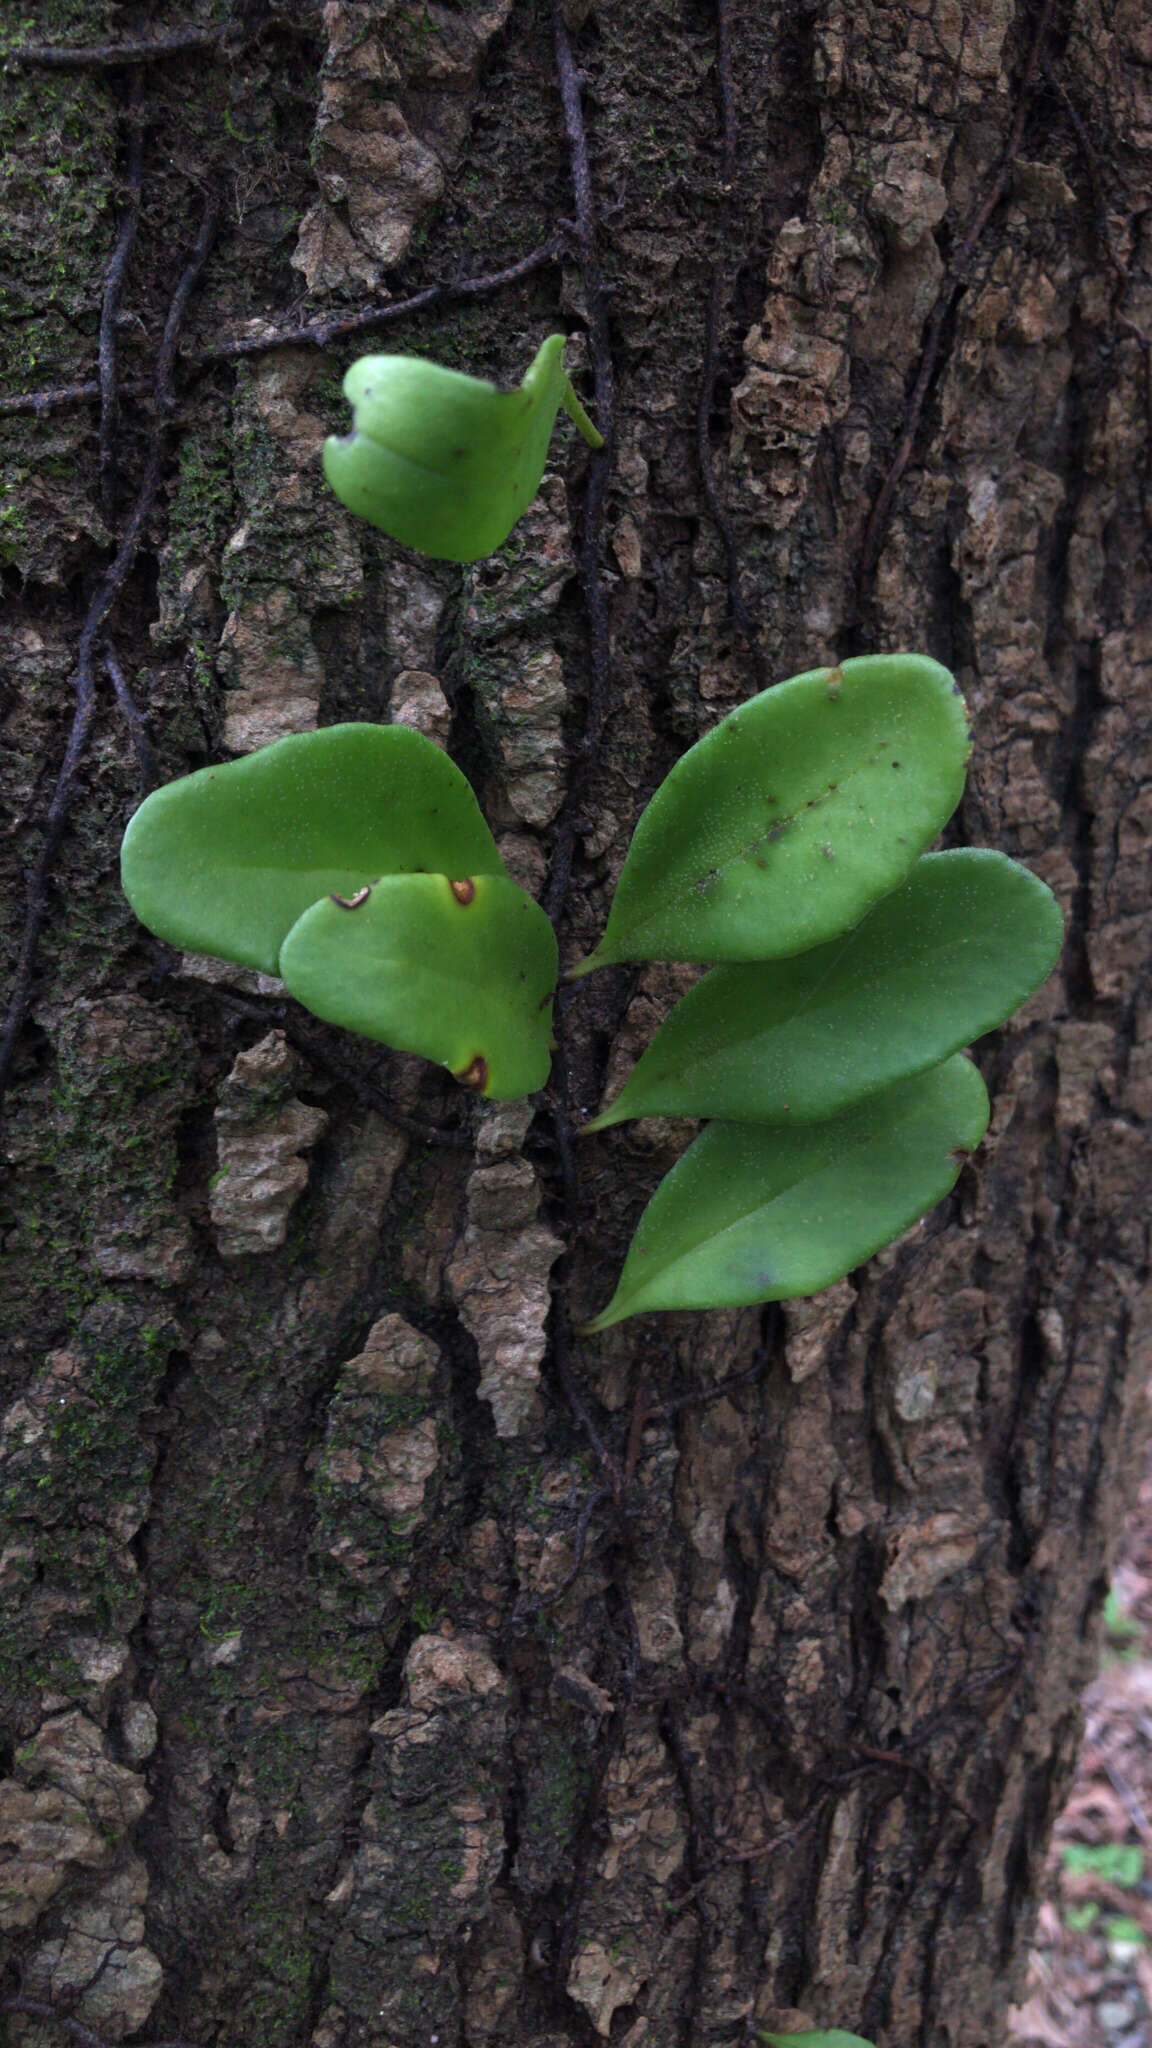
column 768, row 1212
column 225, row 861
column 948, row 955
column 782, row 826
column 823, row 2037
column 443, row 462
column 462, row 972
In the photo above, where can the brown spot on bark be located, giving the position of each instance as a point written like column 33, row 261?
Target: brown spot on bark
column 464, row 891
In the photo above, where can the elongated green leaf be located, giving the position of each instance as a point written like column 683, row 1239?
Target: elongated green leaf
column 443, row 462
column 824, row 2037
column 806, row 805
column 225, row 860
column 766, row 1212
column 948, row 955
column 460, row 971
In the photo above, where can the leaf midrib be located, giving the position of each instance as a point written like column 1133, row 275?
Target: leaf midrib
column 753, row 1038
column 679, row 895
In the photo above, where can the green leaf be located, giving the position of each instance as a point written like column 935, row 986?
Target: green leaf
column 948, row 955
column 1119, row 1863
column 767, row 1212
column 443, row 462
column 226, row 860
column 824, row 2037
column 801, row 809
column 1122, row 1932
column 1119, row 1627
column 460, row 971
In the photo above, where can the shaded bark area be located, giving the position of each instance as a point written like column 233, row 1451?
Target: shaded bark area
column 378, row 1661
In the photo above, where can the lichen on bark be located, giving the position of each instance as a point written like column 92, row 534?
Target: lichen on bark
column 720, row 1673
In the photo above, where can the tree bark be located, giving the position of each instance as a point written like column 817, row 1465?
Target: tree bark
column 380, row 1661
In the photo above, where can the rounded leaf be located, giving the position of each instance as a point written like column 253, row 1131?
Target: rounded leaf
column 443, row 462
column 768, row 1212
column 948, row 955
column 822, row 2037
column 460, row 971
column 225, row 861
column 783, row 825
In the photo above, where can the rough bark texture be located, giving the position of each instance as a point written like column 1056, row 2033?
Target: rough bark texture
column 379, row 1664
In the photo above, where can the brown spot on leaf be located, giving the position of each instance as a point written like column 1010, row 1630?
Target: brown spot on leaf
column 464, row 891
column 353, row 902
column 475, row 1074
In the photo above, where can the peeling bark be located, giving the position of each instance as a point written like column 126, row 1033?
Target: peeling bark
column 480, row 1682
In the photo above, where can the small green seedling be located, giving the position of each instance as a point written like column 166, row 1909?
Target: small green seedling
column 824, row 2037
column 1122, row 1631
column 789, row 846
column 447, row 463
column 787, row 850
column 1124, row 1936
column 1118, row 1863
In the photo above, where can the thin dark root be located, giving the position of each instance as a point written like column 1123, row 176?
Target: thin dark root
column 955, row 280
column 109, row 315
column 133, row 718
column 112, row 56
column 1104, row 232
column 591, row 562
column 717, row 302
column 107, row 592
column 39, row 2009
column 318, row 1051
column 317, row 334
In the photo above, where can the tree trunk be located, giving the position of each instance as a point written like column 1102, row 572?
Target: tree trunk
column 382, row 1662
